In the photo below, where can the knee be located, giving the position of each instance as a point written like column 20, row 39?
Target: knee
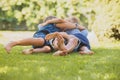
column 39, row 41
column 47, row 49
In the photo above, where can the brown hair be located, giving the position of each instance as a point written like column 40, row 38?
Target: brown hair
column 49, row 18
column 74, row 19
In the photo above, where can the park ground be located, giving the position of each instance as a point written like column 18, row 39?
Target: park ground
column 103, row 65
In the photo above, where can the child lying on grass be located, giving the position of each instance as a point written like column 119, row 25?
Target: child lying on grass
column 40, row 45
column 72, row 31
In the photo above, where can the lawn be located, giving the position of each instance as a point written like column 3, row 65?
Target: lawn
column 103, row 65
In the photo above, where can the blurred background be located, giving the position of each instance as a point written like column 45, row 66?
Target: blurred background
column 101, row 17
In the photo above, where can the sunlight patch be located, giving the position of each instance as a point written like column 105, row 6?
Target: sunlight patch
column 109, row 76
column 4, row 69
column 95, row 75
column 42, row 69
column 78, row 78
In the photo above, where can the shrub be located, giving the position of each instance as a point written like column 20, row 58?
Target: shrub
column 97, row 15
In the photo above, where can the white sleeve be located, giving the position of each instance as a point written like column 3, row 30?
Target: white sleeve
column 39, row 26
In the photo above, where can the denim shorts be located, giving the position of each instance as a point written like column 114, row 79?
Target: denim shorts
column 39, row 34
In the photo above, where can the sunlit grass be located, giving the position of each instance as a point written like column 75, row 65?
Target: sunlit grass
column 103, row 65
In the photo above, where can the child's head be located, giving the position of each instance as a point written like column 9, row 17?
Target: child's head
column 49, row 18
column 73, row 19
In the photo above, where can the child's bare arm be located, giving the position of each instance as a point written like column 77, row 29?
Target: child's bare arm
column 56, row 20
column 71, row 44
column 53, row 21
column 63, row 24
column 44, row 49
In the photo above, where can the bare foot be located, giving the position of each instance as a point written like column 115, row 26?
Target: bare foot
column 86, row 52
column 55, row 44
column 9, row 46
column 60, row 43
column 51, row 36
column 27, row 51
column 60, row 53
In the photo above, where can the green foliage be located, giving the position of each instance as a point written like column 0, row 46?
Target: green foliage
column 97, row 15
column 106, row 17
column 114, row 32
column 103, row 65
column 32, row 12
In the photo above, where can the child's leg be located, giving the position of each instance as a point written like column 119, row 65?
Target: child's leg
column 72, row 42
column 61, row 44
column 62, row 51
column 85, row 50
column 44, row 49
column 25, row 42
column 65, row 49
column 55, row 42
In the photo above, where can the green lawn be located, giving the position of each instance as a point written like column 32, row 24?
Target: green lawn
column 103, row 65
